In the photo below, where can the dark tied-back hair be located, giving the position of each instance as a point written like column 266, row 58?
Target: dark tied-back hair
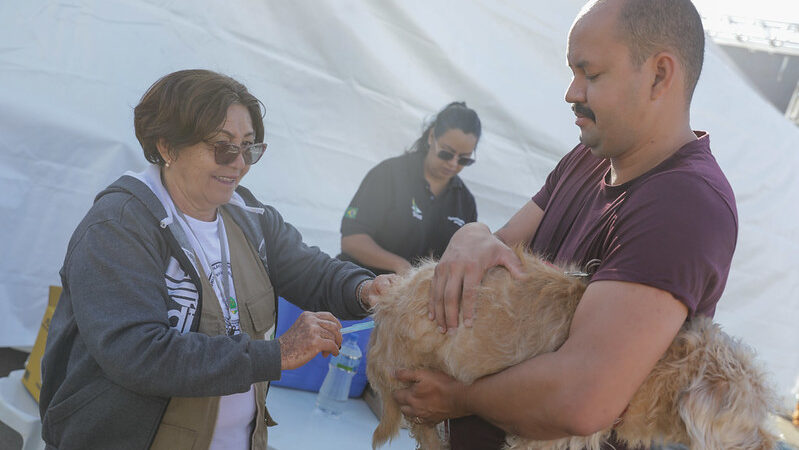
column 189, row 106
column 651, row 26
column 455, row 115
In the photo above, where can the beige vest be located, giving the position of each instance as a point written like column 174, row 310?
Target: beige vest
column 188, row 423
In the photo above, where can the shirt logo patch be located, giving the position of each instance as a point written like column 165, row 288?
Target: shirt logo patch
column 456, row 220
column 183, row 295
column 351, row 212
column 415, row 211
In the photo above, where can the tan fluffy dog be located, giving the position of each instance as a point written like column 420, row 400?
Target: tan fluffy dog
column 706, row 392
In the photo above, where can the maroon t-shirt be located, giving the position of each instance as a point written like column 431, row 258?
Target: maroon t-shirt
column 673, row 228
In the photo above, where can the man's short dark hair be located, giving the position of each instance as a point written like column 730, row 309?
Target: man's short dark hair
column 651, row 26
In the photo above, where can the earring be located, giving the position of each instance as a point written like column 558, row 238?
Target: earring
column 167, row 164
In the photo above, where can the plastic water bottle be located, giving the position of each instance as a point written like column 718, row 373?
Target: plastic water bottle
column 336, row 387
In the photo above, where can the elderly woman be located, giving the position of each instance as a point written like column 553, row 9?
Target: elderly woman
column 162, row 337
column 409, row 206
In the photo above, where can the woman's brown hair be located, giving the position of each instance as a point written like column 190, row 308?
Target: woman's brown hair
column 189, row 106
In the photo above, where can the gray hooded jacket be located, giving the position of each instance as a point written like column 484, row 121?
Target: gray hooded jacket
column 122, row 340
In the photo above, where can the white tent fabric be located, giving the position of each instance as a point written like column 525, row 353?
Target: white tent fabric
column 347, row 84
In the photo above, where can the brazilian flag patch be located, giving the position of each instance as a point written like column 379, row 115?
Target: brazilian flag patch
column 351, row 212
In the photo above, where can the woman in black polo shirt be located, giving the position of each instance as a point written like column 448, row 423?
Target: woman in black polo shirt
column 409, row 206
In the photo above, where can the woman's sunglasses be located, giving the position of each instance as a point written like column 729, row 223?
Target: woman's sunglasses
column 462, row 160
column 225, row 152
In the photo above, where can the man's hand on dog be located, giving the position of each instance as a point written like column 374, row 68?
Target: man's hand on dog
column 431, row 396
column 470, row 253
column 313, row 332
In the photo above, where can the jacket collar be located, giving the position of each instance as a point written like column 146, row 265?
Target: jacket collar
column 149, row 185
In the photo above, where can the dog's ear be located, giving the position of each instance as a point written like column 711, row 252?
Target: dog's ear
column 718, row 418
column 700, row 408
column 728, row 405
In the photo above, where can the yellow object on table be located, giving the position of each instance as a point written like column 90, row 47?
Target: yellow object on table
column 796, row 414
column 32, row 379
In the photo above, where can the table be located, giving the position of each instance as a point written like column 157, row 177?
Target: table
column 300, row 427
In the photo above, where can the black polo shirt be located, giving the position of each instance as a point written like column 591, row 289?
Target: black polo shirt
column 394, row 205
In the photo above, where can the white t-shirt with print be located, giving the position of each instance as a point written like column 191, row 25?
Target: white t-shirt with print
column 234, row 422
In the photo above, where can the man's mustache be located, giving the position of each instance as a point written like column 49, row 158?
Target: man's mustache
column 582, row 110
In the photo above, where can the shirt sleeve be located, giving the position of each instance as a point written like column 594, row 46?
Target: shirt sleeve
column 471, row 216
column 370, row 205
column 308, row 277
column 677, row 234
column 542, row 197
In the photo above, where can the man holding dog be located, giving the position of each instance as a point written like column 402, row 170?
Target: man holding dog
column 641, row 204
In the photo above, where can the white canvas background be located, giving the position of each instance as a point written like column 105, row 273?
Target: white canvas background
column 347, row 84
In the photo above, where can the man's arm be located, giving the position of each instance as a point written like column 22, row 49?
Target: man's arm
column 619, row 332
column 470, row 253
column 521, row 228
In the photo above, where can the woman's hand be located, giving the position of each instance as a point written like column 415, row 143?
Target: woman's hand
column 313, row 332
column 373, row 289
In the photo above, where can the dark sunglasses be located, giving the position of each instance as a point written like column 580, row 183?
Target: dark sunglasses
column 462, row 160
column 225, row 152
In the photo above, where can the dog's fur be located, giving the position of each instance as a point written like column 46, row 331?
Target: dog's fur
column 706, row 392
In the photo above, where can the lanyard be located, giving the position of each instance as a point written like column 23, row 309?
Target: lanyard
column 230, row 306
